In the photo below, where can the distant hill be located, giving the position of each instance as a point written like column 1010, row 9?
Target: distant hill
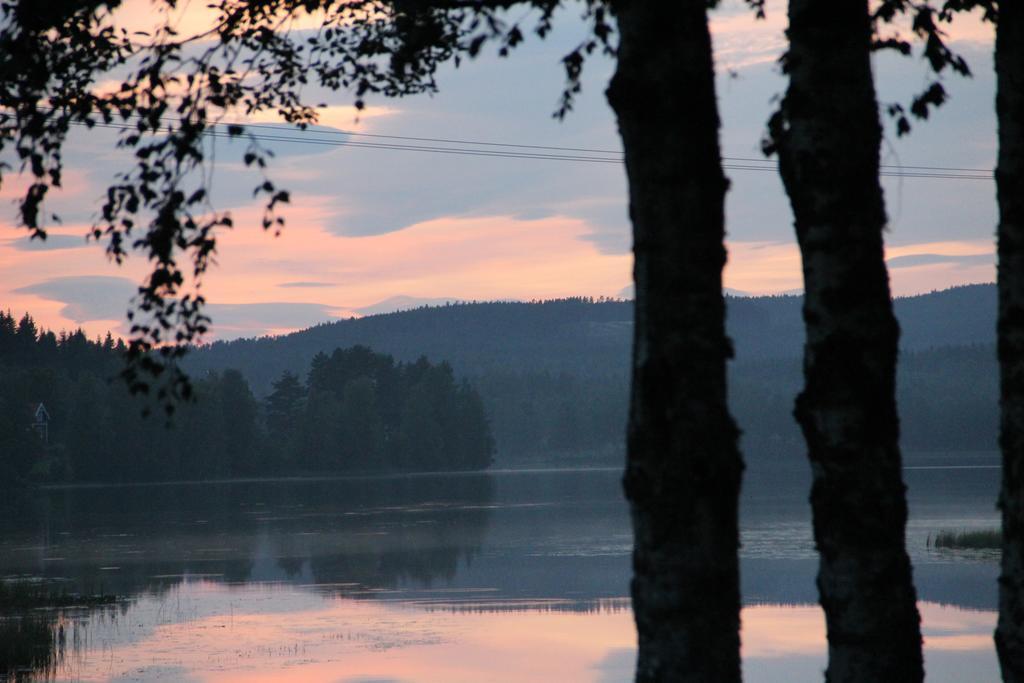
column 569, row 335
column 772, row 327
column 401, row 303
column 578, row 336
column 554, row 375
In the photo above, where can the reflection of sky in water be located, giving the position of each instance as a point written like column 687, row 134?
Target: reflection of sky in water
column 210, row 632
column 502, row 577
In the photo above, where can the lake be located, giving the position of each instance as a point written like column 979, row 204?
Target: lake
column 449, row 578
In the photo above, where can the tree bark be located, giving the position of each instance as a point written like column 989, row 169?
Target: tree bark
column 683, row 471
column 1009, row 61
column 828, row 133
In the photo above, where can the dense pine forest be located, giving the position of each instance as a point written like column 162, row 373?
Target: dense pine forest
column 354, row 411
column 554, row 380
column 527, row 383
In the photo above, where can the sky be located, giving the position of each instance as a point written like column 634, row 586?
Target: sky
column 372, row 229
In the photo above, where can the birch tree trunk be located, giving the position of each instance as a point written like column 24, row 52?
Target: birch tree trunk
column 683, row 472
column 1010, row 187
column 827, row 134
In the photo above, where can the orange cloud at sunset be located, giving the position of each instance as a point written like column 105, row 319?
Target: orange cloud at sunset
column 918, row 268
column 467, row 258
column 345, row 117
column 763, row 267
column 490, row 257
column 771, row 267
column 188, row 18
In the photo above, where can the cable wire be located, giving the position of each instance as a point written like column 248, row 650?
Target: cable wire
column 508, row 151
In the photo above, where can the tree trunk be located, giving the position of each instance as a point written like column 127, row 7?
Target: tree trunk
column 828, row 134
column 1010, row 185
column 683, row 472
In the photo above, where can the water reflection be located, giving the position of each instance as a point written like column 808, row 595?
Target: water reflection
column 29, row 644
column 519, row 576
column 374, row 533
column 207, row 631
column 787, row 643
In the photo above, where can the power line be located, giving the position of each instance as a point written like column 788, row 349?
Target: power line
column 586, row 149
column 447, row 140
column 416, row 148
column 508, row 151
column 904, row 170
column 893, row 166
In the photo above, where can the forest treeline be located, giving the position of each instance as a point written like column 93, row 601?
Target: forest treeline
column 357, row 410
column 354, row 411
column 579, row 336
column 948, row 399
column 554, row 379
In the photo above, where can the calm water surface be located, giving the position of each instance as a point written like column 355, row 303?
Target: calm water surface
column 506, row 576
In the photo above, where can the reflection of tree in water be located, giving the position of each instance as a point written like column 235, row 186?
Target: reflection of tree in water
column 369, row 534
column 377, row 532
column 428, row 529
column 31, row 645
column 41, row 644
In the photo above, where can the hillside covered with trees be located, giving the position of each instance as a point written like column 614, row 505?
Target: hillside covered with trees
column 353, row 411
column 527, row 383
column 553, row 375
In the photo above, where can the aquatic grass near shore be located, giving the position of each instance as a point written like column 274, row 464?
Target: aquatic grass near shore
column 976, row 539
column 30, row 645
column 33, row 625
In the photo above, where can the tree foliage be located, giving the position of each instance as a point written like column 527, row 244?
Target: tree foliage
column 359, row 412
column 175, row 93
